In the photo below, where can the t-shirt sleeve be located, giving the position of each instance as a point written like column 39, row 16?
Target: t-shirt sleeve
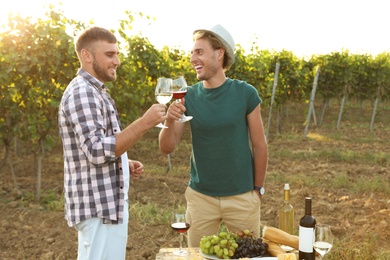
column 253, row 98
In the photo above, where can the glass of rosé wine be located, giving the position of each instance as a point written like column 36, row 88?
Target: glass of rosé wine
column 179, row 90
column 179, row 224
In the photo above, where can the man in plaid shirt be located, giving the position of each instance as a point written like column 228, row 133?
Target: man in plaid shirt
column 96, row 168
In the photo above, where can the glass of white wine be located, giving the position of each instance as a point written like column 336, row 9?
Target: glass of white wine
column 163, row 93
column 323, row 239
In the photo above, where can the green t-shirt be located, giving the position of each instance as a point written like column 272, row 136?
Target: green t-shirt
column 221, row 159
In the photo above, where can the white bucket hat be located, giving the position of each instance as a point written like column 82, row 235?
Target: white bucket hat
column 224, row 36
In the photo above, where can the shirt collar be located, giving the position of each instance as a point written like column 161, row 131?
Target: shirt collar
column 94, row 81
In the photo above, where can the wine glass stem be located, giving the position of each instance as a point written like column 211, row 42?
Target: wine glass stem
column 182, row 115
column 181, row 242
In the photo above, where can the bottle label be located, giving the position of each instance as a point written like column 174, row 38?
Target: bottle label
column 306, row 239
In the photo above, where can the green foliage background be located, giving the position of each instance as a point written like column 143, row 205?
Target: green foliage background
column 38, row 61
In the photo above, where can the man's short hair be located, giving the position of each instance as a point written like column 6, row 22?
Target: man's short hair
column 91, row 35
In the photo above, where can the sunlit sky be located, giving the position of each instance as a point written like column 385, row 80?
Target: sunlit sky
column 304, row 27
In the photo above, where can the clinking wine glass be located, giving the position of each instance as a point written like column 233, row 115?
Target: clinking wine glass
column 323, row 239
column 179, row 224
column 179, row 90
column 163, row 93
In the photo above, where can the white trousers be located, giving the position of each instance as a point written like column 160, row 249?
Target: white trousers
column 98, row 241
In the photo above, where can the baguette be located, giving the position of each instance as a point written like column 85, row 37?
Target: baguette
column 280, row 237
column 274, row 249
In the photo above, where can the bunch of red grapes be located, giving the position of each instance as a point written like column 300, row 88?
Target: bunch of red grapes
column 249, row 246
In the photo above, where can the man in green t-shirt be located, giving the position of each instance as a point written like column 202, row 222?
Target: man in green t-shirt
column 229, row 150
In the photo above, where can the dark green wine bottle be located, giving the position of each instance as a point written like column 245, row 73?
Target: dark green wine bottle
column 306, row 233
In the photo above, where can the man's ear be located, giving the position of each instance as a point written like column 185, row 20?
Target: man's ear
column 221, row 53
column 86, row 55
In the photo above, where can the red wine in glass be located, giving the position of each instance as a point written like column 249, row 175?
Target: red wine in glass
column 179, row 94
column 181, row 227
column 179, row 90
column 179, row 224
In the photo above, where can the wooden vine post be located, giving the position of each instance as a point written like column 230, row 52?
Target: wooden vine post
column 375, row 106
column 272, row 97
column 311, row 105
column 342, row 107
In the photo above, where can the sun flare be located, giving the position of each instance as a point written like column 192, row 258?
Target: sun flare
column 24, row 9
column 295, row 26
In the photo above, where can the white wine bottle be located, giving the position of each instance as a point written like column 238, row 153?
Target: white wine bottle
column 286, row 212
column 306, row 233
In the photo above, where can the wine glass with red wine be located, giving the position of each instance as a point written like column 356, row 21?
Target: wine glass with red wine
column 179, row 90
column 179, row 224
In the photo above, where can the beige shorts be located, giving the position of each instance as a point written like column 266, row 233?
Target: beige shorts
column 205, row 213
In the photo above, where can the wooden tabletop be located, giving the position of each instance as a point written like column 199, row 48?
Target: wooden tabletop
column 166, row 254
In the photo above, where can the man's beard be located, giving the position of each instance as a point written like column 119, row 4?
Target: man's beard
column 208, row 72
column 101, row 73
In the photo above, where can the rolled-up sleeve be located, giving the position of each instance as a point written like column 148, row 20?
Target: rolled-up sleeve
column 86, row 111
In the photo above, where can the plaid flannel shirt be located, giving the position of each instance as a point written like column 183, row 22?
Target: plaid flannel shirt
column 93, row 179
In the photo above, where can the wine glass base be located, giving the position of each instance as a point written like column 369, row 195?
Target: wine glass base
column 161, row 126
column 181, row 253
column 184, row 119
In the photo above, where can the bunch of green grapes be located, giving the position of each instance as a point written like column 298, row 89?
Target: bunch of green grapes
column 222, row 245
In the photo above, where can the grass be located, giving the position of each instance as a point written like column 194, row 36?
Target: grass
column 342, row 180
column 149, row 214
column 370, row 157
column 361, row 184
column 347, row 249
